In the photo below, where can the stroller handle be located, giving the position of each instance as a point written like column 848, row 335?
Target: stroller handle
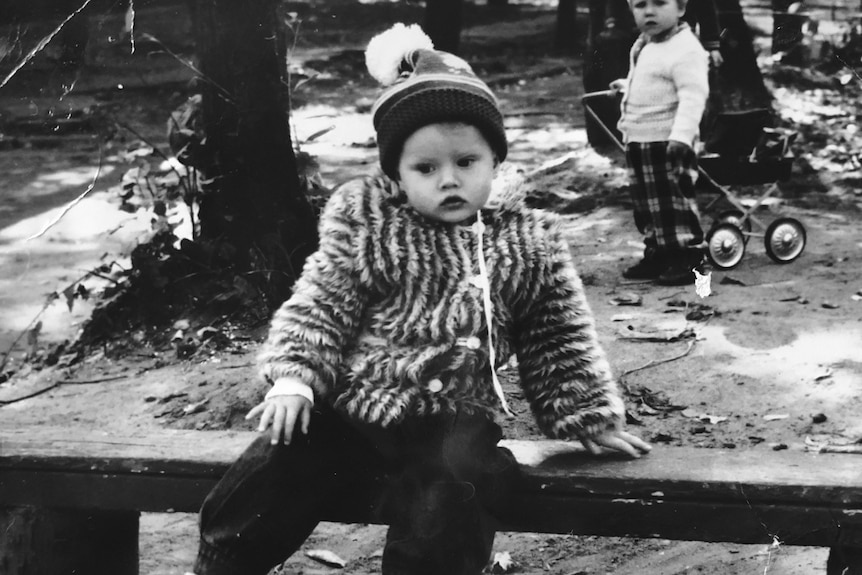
column 598, row 93
column 604, row 94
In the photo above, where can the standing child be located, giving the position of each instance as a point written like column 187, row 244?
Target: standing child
column 382, row 362
column 664, row 97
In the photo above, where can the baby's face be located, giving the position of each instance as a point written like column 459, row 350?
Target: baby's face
column 656, row 16
column 446, row 171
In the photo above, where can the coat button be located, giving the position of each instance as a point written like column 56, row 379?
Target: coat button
column 474, row 342
column 435, row 385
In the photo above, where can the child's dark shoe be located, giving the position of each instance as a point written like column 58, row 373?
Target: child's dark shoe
column 679, row 271
column 678, row 274
column 649, row 268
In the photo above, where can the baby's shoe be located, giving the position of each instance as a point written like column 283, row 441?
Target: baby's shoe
column 679, row 270
column 649, row 268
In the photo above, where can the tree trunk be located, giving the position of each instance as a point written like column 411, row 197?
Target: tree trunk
column 566, row 34
column 443, row 22
column 255, row 212
column 611, row 34
column 739, row 81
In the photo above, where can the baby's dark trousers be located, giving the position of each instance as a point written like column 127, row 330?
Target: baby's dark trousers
column 439, row 482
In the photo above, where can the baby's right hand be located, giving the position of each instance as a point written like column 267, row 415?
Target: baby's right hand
column 618, row 86
column 284, row 412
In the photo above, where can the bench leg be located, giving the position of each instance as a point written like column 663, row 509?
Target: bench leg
column 49, row 541
column 844, row 561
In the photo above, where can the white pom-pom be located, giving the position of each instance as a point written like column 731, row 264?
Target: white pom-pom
column 386, row 50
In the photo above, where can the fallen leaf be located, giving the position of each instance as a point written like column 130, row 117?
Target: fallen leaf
column 825, row 375
column 644, row 408
column 702, row 283
column 502, row 562
column 712, row 419
column 326, row 557
column 628, row 298
column 700, row 312
column 206, row 332
column 829, row 305
column 622, row 317
column 195, row 407
column 776, row 416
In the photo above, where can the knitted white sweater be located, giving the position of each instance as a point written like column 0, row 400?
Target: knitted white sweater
column 666, row 89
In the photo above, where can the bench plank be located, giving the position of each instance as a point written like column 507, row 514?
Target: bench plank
column 744, row 496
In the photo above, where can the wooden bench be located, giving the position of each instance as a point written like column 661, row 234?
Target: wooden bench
column 79, row 495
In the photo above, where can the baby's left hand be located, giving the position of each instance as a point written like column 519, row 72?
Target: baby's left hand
column 618, row 440
column 677, row 154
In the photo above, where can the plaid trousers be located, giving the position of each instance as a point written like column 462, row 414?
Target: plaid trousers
column 664, row 206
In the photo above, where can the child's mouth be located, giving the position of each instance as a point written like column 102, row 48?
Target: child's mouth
column 452, row 202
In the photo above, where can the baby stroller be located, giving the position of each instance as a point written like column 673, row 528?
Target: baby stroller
column 739, row 151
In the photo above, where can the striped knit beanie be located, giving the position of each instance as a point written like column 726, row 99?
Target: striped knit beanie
column 425, row 86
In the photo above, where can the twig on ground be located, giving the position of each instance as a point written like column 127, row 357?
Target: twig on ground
column 88, row 381
column 29, row 395
column 71, row 204
column 857, row 449
column 239, row 366
column 653, row 362
column 56, row 385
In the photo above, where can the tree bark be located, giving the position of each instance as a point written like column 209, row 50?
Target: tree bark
column 566, row 34
column 611, row 34
column 739, row 81
column 254, row 211
column 443, row 23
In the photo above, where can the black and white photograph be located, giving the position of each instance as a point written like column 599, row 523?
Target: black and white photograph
column 430, row 287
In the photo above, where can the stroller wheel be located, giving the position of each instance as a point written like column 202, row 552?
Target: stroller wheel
column 735, row 217
column 785, row 240
column 725, row 246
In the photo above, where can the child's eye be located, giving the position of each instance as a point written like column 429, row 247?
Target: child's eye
column 639, row 5
column 466, row 162
column 424, row 168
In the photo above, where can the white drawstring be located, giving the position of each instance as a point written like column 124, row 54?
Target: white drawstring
column 479, row 229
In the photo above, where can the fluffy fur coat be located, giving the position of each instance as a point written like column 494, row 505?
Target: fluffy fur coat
column 387, row 319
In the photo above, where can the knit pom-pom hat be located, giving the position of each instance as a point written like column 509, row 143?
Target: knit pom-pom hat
column 425, row 86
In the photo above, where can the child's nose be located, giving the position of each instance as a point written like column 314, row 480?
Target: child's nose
column 448, row 177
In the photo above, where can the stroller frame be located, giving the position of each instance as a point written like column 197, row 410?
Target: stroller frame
column 784, row 238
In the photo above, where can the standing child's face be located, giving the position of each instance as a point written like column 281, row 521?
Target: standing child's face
column 446, row 171
column 656, row 16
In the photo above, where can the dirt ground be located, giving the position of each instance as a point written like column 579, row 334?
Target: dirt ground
column 772, row 359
